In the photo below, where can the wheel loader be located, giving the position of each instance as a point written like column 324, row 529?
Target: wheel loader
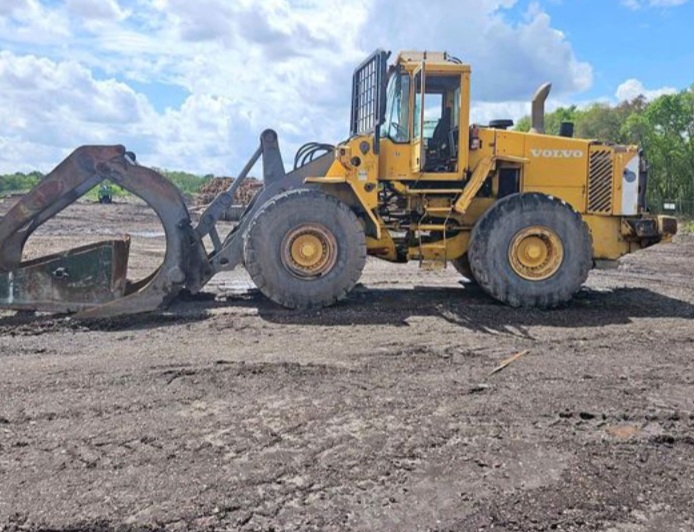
column 525, row 215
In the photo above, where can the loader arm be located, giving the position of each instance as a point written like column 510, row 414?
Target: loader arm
column 228, row 254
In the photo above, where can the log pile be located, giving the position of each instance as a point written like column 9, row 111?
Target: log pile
column 214, row 186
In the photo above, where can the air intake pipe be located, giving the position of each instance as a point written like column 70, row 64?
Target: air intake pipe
column 538, row 111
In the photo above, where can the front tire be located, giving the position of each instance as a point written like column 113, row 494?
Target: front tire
column 462, row 266
column 531, row 250
column 305, row 249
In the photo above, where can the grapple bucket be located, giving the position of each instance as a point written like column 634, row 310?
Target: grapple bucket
column 72, row 281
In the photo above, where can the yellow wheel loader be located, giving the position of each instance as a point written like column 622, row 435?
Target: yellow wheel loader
column 525, row 215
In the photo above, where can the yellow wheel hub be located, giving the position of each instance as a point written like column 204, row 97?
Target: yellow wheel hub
column 309, row 250
column 536, row 253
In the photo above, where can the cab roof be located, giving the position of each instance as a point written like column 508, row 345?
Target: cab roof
column 410, row 59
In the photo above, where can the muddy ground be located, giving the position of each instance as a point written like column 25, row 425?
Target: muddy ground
column 380, row 414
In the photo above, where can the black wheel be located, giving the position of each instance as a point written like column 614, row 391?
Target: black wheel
column 305, row 249
column 462, row 266
column 531, row 250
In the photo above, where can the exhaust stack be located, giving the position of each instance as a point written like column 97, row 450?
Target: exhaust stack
column 538, row 108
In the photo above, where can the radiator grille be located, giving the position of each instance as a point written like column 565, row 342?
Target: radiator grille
column 600, row 181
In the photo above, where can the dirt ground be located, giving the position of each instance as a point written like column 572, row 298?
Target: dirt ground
column 379, row 414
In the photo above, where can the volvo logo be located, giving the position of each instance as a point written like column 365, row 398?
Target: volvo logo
column 557, row 154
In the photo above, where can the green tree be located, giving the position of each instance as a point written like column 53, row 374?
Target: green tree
column 523, row 124
column 19, row 181
column 186, row 182
column 665, row 129
column 606, row 123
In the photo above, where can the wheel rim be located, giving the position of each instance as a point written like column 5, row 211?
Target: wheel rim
column 536, row 253
column 309, row 251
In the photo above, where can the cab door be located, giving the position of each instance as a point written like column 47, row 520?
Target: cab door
column 418, row 143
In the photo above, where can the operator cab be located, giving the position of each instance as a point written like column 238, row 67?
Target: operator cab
column 426, row 103
column 434, row 123
column 419, row 108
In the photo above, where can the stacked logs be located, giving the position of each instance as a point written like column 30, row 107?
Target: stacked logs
column 243, row 196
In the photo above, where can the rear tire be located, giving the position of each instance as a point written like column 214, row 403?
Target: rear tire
column 305, row 249
column 531, row 250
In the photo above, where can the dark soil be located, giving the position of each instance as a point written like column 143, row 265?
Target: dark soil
column 228, row 412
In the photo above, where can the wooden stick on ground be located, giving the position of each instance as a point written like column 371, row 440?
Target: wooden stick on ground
column 507, row 362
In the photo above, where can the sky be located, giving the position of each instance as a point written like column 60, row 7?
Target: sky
column 190, row 84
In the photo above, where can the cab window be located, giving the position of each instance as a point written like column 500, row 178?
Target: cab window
column 439, row 130
column 397, row 122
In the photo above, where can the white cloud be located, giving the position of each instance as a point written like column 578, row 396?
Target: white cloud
column 101, row 10
column 638, row 4
column 31, row 23
column 509, row 60
column 10, row 7
column 58, row 106
column 633, row 88
column 245, row 66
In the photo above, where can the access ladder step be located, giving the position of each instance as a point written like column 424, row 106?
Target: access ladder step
column 434, row 252
column 432, row 265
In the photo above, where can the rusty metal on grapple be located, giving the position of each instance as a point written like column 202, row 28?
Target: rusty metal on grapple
column 92, row 280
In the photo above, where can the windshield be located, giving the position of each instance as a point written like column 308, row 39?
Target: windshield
column 397, row 124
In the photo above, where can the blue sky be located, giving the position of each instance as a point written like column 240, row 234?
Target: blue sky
column 652, row 44
column 191, row 84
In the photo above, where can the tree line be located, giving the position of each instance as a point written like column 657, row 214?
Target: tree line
column 663, row 127
column 21, row 182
